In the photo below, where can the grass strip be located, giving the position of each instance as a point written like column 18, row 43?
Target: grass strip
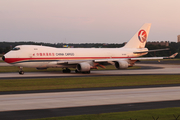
column 154, row 114
column 86, row 82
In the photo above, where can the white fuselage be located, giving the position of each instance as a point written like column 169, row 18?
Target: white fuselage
column 43, row 56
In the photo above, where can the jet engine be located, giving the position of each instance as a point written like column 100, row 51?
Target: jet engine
column 121, row 64
column 83, row 67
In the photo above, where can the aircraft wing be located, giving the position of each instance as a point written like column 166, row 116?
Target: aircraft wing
column 67, row 62
column 155, row 58
column 111, row 61
column 72, row 61
column 138, row 58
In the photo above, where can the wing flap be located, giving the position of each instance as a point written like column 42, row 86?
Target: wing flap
column 72, row 61
column 109, row 60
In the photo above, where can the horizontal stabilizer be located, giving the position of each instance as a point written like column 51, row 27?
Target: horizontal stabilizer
column 173, row 55
column 151, row 51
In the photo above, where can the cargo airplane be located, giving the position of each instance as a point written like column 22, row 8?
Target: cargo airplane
column 83, row 59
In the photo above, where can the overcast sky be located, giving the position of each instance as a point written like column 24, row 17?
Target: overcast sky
column 87, row 21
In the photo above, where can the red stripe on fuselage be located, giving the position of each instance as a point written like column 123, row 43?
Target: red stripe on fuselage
column 14, row 60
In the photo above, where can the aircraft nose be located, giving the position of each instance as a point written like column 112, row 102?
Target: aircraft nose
column 3, row 58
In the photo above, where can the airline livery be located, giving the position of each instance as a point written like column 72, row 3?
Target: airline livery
column 83, row 59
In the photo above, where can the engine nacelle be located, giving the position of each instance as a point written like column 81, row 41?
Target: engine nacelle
column 121, row 64
column 83, row 67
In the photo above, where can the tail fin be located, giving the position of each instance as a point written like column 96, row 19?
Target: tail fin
column 140, row 38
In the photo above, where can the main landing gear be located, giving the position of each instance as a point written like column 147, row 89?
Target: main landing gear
column 66, row 70
column 76, row 71
column 21, row 72
column 87, row 72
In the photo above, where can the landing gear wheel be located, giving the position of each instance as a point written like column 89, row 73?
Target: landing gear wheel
column 76, row 71
column 66, row 70
column 21, row 72
column 87, row 72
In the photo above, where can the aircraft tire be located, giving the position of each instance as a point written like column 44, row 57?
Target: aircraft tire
column 76, row 71
column 66, row 70
column 87, row 72
column 21, row 72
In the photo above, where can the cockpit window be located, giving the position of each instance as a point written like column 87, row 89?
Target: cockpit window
column 16, row 48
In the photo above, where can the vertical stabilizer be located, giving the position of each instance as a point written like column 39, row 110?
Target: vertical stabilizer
column 140, row 38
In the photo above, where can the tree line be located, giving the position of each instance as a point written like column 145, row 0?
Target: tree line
column 173, row 47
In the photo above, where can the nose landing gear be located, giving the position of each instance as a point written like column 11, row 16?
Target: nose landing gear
column 21, row 72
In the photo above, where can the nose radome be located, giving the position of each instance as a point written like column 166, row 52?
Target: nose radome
column 3, row 58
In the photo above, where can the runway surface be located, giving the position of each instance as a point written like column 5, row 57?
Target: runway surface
column 87, row 98
column 40, row 105
column 56, row 112
column 162, row 69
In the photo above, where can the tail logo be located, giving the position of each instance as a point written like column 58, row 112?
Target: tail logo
column 142, row 35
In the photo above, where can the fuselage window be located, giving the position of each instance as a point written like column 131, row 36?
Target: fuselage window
column 16, row 48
